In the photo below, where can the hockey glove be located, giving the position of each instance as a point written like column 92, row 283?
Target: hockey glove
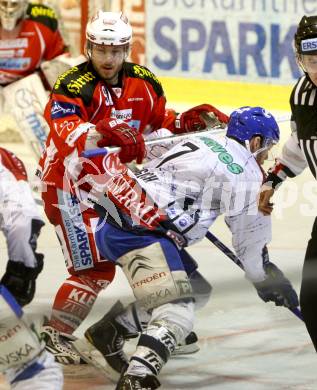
column 276, row 288
column 115, row 132
column 198, row 118
column 20, row 280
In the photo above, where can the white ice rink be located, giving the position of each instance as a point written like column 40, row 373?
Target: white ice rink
column 245, row 344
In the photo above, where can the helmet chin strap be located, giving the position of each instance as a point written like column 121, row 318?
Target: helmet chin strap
column 257, row 152
column 247, row 145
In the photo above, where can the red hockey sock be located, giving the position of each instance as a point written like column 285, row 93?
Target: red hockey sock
column 73, row 303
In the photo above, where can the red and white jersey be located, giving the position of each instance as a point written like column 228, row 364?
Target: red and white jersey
column 38, row 39
column 11, row 165
column 80, row 98
column 15, row 191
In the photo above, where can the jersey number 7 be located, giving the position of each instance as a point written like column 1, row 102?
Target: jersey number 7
column 191, row 148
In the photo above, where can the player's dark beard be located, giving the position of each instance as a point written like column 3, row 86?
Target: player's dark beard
column 118, row 84
column 108, row 80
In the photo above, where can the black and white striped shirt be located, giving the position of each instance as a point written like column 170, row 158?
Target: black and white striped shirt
column 300, row 150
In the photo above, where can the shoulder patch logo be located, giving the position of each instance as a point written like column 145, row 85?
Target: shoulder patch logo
column 75, row 86
column 64, row 75
column 63, row 109
column 142, row 72
column 37, row 11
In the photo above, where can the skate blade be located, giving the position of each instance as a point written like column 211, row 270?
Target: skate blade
column 93, row 357
column 185, row 350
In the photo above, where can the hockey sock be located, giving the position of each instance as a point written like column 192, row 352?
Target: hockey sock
column 153, row 350
column 73, row 303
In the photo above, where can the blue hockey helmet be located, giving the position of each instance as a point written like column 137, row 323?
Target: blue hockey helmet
column 247, row 122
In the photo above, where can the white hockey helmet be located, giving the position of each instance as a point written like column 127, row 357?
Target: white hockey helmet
column 11, row 11
column 109, row 28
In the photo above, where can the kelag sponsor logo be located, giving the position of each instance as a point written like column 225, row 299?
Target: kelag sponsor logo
column 78, row 299
column 63, row 109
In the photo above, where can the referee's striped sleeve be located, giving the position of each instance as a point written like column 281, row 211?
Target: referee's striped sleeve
column 291, row 163
column 309, row 148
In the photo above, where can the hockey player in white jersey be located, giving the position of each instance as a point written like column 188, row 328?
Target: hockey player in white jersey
column 21, row 223
column 148, row 218
column 23, row 359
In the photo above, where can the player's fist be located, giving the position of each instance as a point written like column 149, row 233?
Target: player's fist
column 198, row 118
column 115, row 132
column 264, row 202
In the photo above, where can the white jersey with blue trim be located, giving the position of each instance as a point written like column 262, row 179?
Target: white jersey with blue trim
column 23, row 359
column 199, row 179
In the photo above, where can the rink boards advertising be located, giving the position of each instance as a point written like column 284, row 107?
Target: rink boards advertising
column 234, row 40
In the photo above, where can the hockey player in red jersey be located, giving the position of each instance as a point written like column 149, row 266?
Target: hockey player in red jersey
column 29, row 41
column 29, row 34
column 104, row 101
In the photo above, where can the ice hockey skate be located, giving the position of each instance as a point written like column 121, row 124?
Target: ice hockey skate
column 108, row 337
column 60, row 345
column 188, row 346
column 133, row 382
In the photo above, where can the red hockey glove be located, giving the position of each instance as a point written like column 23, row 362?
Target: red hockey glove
column 198, row 118
column 115, row 132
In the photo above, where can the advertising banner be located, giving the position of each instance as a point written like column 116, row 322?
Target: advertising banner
column 233, row 40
